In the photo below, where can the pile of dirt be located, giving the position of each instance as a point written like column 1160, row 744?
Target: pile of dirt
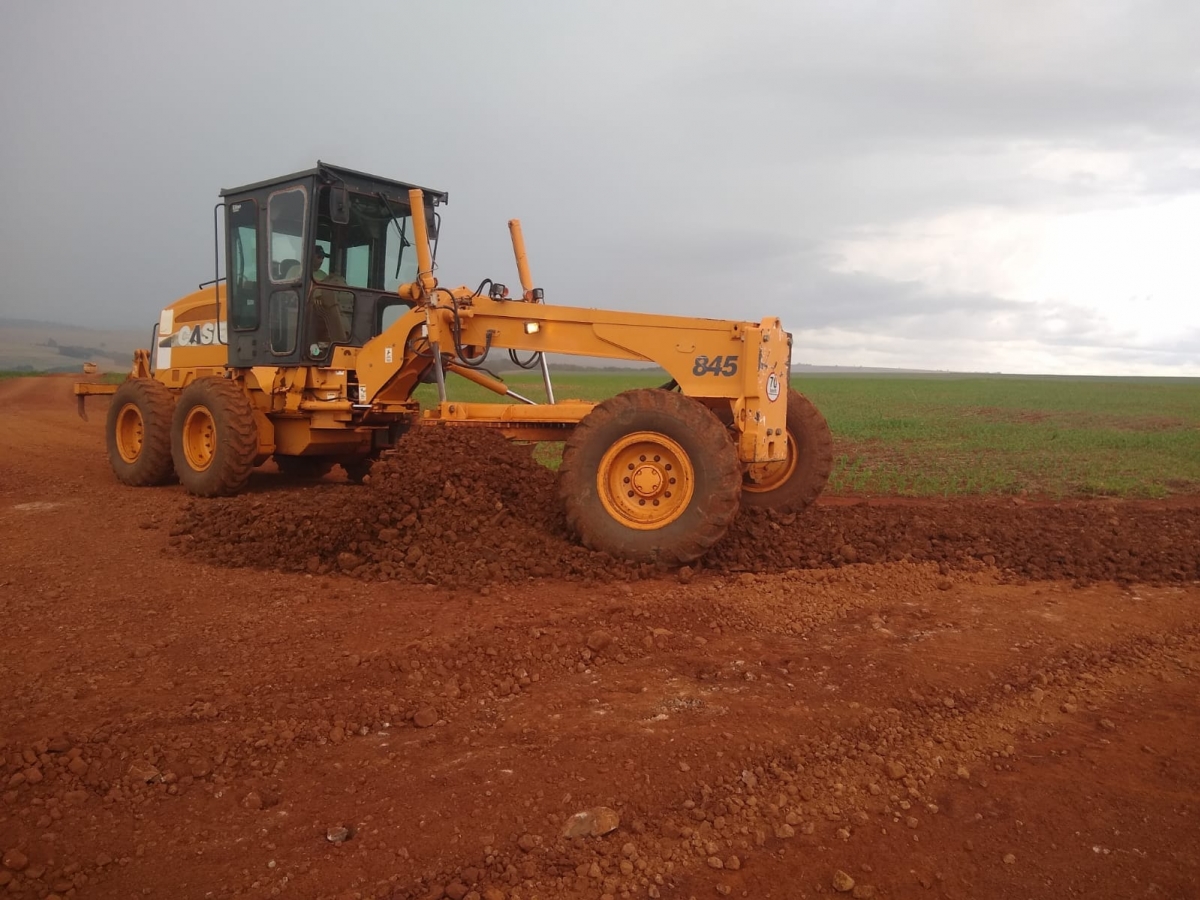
column 456, row 507
column 1083, row 541
column 463, row 507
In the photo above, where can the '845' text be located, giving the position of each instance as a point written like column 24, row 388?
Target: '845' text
column 720, row 365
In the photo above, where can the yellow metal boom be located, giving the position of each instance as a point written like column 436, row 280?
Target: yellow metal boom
column 743, row 363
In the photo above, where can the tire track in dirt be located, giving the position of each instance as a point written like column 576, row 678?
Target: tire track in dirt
column 909, row 757
column 239, row 750
column 886, row 773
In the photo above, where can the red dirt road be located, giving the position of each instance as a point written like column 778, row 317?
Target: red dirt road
column 894, row 692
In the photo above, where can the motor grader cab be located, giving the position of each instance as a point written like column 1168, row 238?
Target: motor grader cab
column 314, row 260
column 329, row 316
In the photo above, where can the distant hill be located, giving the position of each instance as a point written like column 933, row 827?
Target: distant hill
column 27, row 345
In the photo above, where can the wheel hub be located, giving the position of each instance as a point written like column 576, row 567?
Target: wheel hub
column 645, row 480
column 130, row 433
column 199, row 438
column 648, row 481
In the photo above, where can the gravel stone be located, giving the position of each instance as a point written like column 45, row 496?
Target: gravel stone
column 594, row 822
column 598, row 640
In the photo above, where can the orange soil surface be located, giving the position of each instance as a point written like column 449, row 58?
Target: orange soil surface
column 958, row 700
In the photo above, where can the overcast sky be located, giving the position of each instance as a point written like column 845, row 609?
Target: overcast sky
column 986, row 186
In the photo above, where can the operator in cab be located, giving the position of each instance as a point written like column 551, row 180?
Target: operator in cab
column 332, row 328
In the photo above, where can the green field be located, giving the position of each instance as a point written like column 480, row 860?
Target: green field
column 105, row 377
column 940, row 435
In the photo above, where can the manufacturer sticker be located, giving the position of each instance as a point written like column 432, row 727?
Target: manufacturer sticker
column 772, row 387
column 202, row 334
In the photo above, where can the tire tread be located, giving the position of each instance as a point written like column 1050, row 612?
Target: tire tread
column 237, row 437
column 156, row 403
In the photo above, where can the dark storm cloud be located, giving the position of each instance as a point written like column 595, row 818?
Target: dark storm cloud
column 874, row 74
column 691, row 157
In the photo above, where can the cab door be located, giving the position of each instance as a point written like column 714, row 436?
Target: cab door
column 242, row 281
column 266, row 239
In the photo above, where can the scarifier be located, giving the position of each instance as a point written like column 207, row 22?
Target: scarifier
column 329, row 316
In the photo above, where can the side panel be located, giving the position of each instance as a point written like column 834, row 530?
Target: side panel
column 189, row 334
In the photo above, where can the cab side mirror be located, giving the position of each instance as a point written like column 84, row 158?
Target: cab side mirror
column 339, row 205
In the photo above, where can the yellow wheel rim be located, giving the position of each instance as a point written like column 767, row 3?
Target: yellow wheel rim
column 774, row 474
column 199, row 438
column 131, row 432
column 645, row 480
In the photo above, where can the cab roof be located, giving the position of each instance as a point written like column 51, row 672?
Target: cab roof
column 354, row 180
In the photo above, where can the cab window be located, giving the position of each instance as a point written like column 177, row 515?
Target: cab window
column 374, row 250
column 243, row 251
column 286, row 212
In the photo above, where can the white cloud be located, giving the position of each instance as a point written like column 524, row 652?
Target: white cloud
column 1133, row 265
column 842, row 347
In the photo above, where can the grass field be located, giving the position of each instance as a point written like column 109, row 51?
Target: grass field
column 940, row 435
column 105, row 377
column 1044, row 436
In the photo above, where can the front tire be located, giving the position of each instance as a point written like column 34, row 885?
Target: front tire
column 650, row 476
column 138, row 432
column 214, row 438
column 793, row 485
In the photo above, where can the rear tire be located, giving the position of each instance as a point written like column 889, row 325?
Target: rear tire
column 214, row 438
column 794, row 485
column 650, row 476
column 138, row 432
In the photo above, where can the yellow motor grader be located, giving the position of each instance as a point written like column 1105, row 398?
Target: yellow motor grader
column 328, row 317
